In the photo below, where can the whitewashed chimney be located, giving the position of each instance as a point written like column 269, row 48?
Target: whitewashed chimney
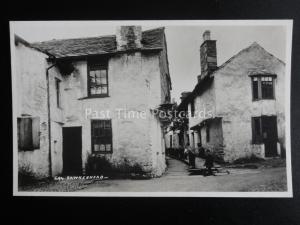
column 128, row 37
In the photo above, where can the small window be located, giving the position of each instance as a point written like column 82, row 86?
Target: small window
column 207, row 134
column 101, row 136
column 262, row 87
column 98, row 79
column 257, row 136
column 28, row 133
column 192, row 108
column 57, row 88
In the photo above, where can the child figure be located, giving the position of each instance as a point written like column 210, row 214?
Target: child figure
column 209, row 163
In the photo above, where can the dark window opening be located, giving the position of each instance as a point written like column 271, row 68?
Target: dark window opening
column 257, row 137
column 57, row 88
column 200, row 138
column 264, row 130
column 262, row 87
column 207, row 133
column 171, row 141
column 192, row 108
column 267, row 87
column 255, row 87
column 28, row 133
column 98, row 79
column 101, row 136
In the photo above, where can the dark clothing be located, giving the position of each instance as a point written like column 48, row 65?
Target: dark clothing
column 191, row 160
column 209, row 163
column 191, row 156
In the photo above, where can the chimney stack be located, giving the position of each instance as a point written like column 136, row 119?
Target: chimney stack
column 208, row 56
column 128, row 37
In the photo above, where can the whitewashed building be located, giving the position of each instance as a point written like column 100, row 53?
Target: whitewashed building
column 91, row 96
column 237, row 109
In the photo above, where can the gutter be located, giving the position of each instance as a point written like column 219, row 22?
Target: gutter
column 49, row 119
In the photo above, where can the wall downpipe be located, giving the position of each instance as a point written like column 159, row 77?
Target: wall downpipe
column 49, row 119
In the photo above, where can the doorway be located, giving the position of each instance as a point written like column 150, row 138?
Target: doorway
column 270, row 137
column 72, row 144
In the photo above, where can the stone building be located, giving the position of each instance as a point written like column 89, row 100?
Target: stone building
column 237, row 109
column 95, row 96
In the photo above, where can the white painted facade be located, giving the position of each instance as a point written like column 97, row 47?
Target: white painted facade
column 137, row 82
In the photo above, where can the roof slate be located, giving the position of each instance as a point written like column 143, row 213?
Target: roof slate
column 151, row 39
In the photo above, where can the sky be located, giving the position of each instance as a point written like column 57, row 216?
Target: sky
column 183, row 43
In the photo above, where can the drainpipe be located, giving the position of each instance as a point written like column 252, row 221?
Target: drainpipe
column 49, row 119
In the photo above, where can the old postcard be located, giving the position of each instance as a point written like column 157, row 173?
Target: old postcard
column 152, row 108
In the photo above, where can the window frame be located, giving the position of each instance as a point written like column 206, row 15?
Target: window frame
column 260, row 87
column 92, row 137
column 28, row 133
column 256, row 138
column 58, row 92
column 103, row 65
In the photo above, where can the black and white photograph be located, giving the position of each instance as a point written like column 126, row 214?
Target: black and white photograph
column 151, row 108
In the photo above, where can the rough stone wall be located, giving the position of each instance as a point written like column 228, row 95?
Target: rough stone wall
column 234, row 100
column 30, row 98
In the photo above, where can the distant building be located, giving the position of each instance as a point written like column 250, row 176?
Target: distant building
column 64, row 88
column 237, row 109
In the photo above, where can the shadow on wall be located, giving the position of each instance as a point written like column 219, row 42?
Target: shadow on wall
column 99, row 165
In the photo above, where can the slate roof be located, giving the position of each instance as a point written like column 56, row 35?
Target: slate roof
column 151, row 39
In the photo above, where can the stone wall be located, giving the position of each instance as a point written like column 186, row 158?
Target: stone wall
column 30, row 98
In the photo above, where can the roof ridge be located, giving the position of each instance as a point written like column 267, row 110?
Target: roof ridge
column 101, row 36
column 80, row 38
column 254, row 44
column 158, row 28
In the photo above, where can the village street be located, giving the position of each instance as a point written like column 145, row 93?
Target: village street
column 177, row 179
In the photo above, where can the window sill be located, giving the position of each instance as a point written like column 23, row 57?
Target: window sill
column 101, row 152
column 261, row 99
column 94, row 96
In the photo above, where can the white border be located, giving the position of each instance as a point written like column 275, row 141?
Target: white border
column 289, row 193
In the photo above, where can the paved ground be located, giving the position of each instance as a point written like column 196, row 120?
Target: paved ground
column 177, row 179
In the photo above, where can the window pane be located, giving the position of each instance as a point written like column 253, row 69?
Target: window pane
column 108, row 147
column 96, row 147
column 103, row 73
column 267, row 88
column 98, row 80
column 102, row 147
column 93, row 90
column 98, row 90
column 104, row 90
column 255, row 88
column 103, row 80
column 97, row 72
